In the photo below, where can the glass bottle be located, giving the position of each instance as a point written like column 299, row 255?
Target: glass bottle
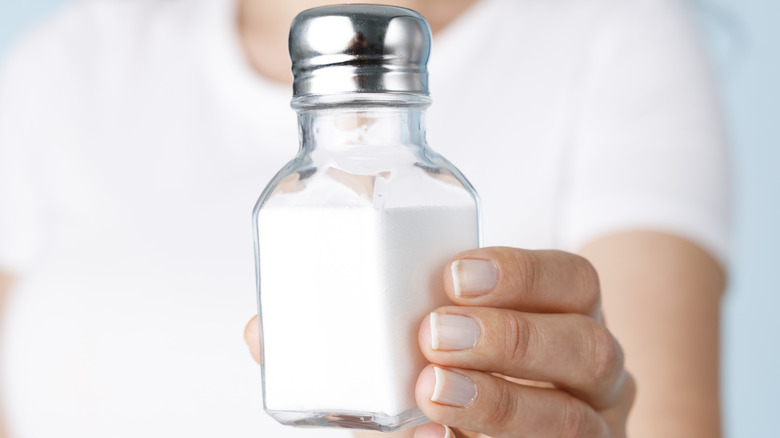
column 352, row 235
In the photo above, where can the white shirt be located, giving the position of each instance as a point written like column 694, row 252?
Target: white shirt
column 135, row 139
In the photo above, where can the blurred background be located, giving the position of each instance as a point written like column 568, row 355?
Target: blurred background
column 743, row 37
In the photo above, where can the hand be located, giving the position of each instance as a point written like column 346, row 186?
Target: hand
column 522, row 318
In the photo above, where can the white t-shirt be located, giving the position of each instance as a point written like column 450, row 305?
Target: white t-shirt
column 135, row 139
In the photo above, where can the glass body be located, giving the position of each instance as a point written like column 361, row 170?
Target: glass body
column 351, row 237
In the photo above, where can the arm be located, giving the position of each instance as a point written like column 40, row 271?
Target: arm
column 661, row 297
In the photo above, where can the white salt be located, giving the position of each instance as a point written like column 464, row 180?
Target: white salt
column 343, row 291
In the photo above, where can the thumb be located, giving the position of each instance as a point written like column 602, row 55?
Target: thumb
column 252, row 337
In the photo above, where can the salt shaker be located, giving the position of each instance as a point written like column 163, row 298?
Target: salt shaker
column 352, row 235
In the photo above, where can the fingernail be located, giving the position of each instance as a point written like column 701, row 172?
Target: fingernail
column 453, row 389
column 472, row 277
column 453, row 332
column 448, row 432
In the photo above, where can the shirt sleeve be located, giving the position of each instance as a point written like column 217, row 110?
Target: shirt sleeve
column 649, row 148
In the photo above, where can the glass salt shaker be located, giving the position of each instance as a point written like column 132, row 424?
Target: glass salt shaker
column 352, row 235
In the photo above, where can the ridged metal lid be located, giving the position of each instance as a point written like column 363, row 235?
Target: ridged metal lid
column 359, row 49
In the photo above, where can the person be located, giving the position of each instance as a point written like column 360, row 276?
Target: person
column 135, row 137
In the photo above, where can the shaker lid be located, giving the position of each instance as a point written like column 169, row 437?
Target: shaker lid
column 359, row 49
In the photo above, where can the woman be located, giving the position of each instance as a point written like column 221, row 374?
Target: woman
column 136, row 136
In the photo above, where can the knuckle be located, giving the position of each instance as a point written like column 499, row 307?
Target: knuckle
column 523, row 265
column 504, row 407
column 605, row 353
column 629, row 391
column 588, row 282
column 573, row 419
column 517, row 338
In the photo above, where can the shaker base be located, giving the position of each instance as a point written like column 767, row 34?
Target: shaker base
column 376, row 421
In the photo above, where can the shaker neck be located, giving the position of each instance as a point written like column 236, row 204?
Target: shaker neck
column 366, row 125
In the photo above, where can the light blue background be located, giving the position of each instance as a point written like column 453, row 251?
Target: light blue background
column 744, row 37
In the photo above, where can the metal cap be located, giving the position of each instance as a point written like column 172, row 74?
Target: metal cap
column 359, row 49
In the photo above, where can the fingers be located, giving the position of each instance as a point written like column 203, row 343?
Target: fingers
column 472, row 400
column 572, row 351
column 529, row 281
column 252, row 338
column 433, row 430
